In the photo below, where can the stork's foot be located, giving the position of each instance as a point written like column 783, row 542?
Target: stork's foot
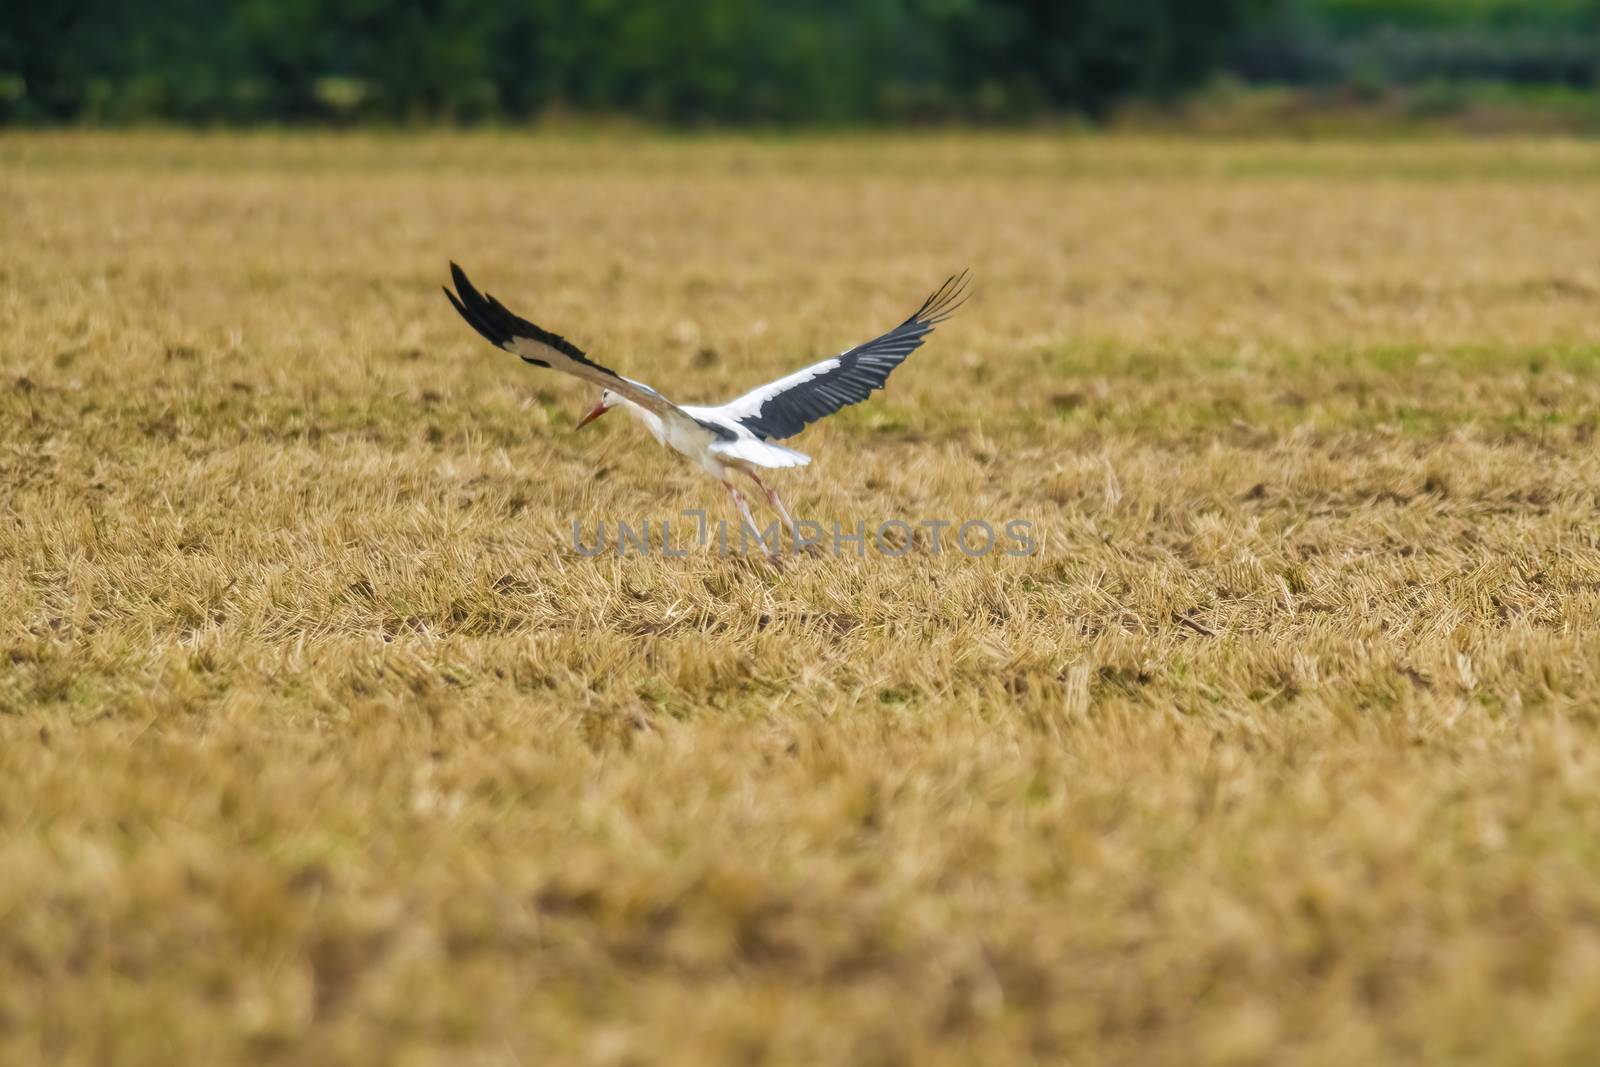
column 777, row 502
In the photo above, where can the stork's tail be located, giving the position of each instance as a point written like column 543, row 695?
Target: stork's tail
column 761, row 453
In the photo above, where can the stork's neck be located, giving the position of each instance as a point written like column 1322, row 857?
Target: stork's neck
column 651, row 421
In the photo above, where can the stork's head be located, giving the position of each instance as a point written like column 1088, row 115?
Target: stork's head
column 608, row 400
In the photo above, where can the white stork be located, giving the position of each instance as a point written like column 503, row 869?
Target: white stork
column 737, row 436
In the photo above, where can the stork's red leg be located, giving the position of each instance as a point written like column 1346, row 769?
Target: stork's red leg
column 776, row 501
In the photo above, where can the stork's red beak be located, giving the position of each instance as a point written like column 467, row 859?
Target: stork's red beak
column 594, row 413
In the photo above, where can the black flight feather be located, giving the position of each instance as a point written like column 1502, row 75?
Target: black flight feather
column 859, row 371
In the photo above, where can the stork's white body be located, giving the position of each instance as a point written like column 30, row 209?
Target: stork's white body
column 718, row 457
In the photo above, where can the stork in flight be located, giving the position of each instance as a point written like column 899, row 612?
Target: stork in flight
column 736, row 437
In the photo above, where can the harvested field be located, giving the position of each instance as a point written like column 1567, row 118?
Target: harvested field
column 320, row 742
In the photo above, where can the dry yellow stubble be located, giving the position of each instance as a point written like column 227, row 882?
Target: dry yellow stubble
column 319, row 743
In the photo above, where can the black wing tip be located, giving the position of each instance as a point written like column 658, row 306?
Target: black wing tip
column 500, row 325
column 945, row 300
column 481, row 304
column 471, row 306
column 459, row 276
column 455, row 302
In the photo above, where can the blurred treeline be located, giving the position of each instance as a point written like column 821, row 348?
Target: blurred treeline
column 742, row 61
column 1372, row 43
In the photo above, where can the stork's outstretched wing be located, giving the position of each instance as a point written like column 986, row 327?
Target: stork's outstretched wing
column 542, row 348
column 785, row 407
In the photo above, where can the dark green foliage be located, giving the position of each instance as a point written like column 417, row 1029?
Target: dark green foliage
column 713, row 60
column 1022, row 56
column 744, row 61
